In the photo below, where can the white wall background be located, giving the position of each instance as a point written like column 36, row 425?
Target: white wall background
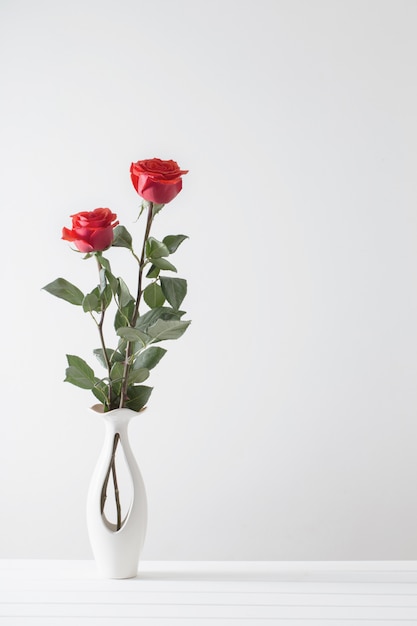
column 283, row 424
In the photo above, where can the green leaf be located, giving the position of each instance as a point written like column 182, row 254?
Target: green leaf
column 101, row 391
column 138, row 375
column 79, row 373
column 149, row 357
column 62, row 288
column 133, row 334
column 116, row 377
column 155, row 249
column 123, row 316
column 122, row 345
column 92, row 301
column 103, row 261
column 174, row 290
column 153, row 272
column 123, row 293
column 173, row 241
column 117, row 370
column 135, row 348
column 153, row 296
column 106, row 296
column 150, row 317
column 164, row 264
column 122, row 238
column 112, row 356
column 113, row 282
column 167, row 329
column 138, row 397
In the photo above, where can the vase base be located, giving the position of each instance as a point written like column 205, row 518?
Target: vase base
column 116, row 574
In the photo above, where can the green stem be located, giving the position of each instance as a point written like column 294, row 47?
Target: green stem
column 142, row 264
column 135, row 315
column 101, row 334
column 112, row 465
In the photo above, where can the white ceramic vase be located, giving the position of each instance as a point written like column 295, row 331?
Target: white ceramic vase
column 117, row 551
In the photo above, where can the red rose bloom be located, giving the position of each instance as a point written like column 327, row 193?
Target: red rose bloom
column 91, row 230
column 156, row 180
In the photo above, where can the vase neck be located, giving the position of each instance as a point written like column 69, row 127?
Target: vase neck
column 117, row 419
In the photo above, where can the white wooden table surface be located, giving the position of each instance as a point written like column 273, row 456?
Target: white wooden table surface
column 192, row 593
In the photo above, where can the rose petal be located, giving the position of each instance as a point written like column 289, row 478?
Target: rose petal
column 67, row 235
column 158, row 192
column 83, row 246
column 102, row 238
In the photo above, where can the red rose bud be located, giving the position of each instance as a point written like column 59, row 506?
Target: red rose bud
column 92, row 231
column 156, row 180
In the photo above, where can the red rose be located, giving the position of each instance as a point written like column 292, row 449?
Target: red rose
column 156, row 180
column 91, row 230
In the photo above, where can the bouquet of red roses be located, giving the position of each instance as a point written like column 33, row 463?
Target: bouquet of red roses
column 138, row 333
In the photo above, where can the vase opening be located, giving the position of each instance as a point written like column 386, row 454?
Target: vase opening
column 117, row 489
